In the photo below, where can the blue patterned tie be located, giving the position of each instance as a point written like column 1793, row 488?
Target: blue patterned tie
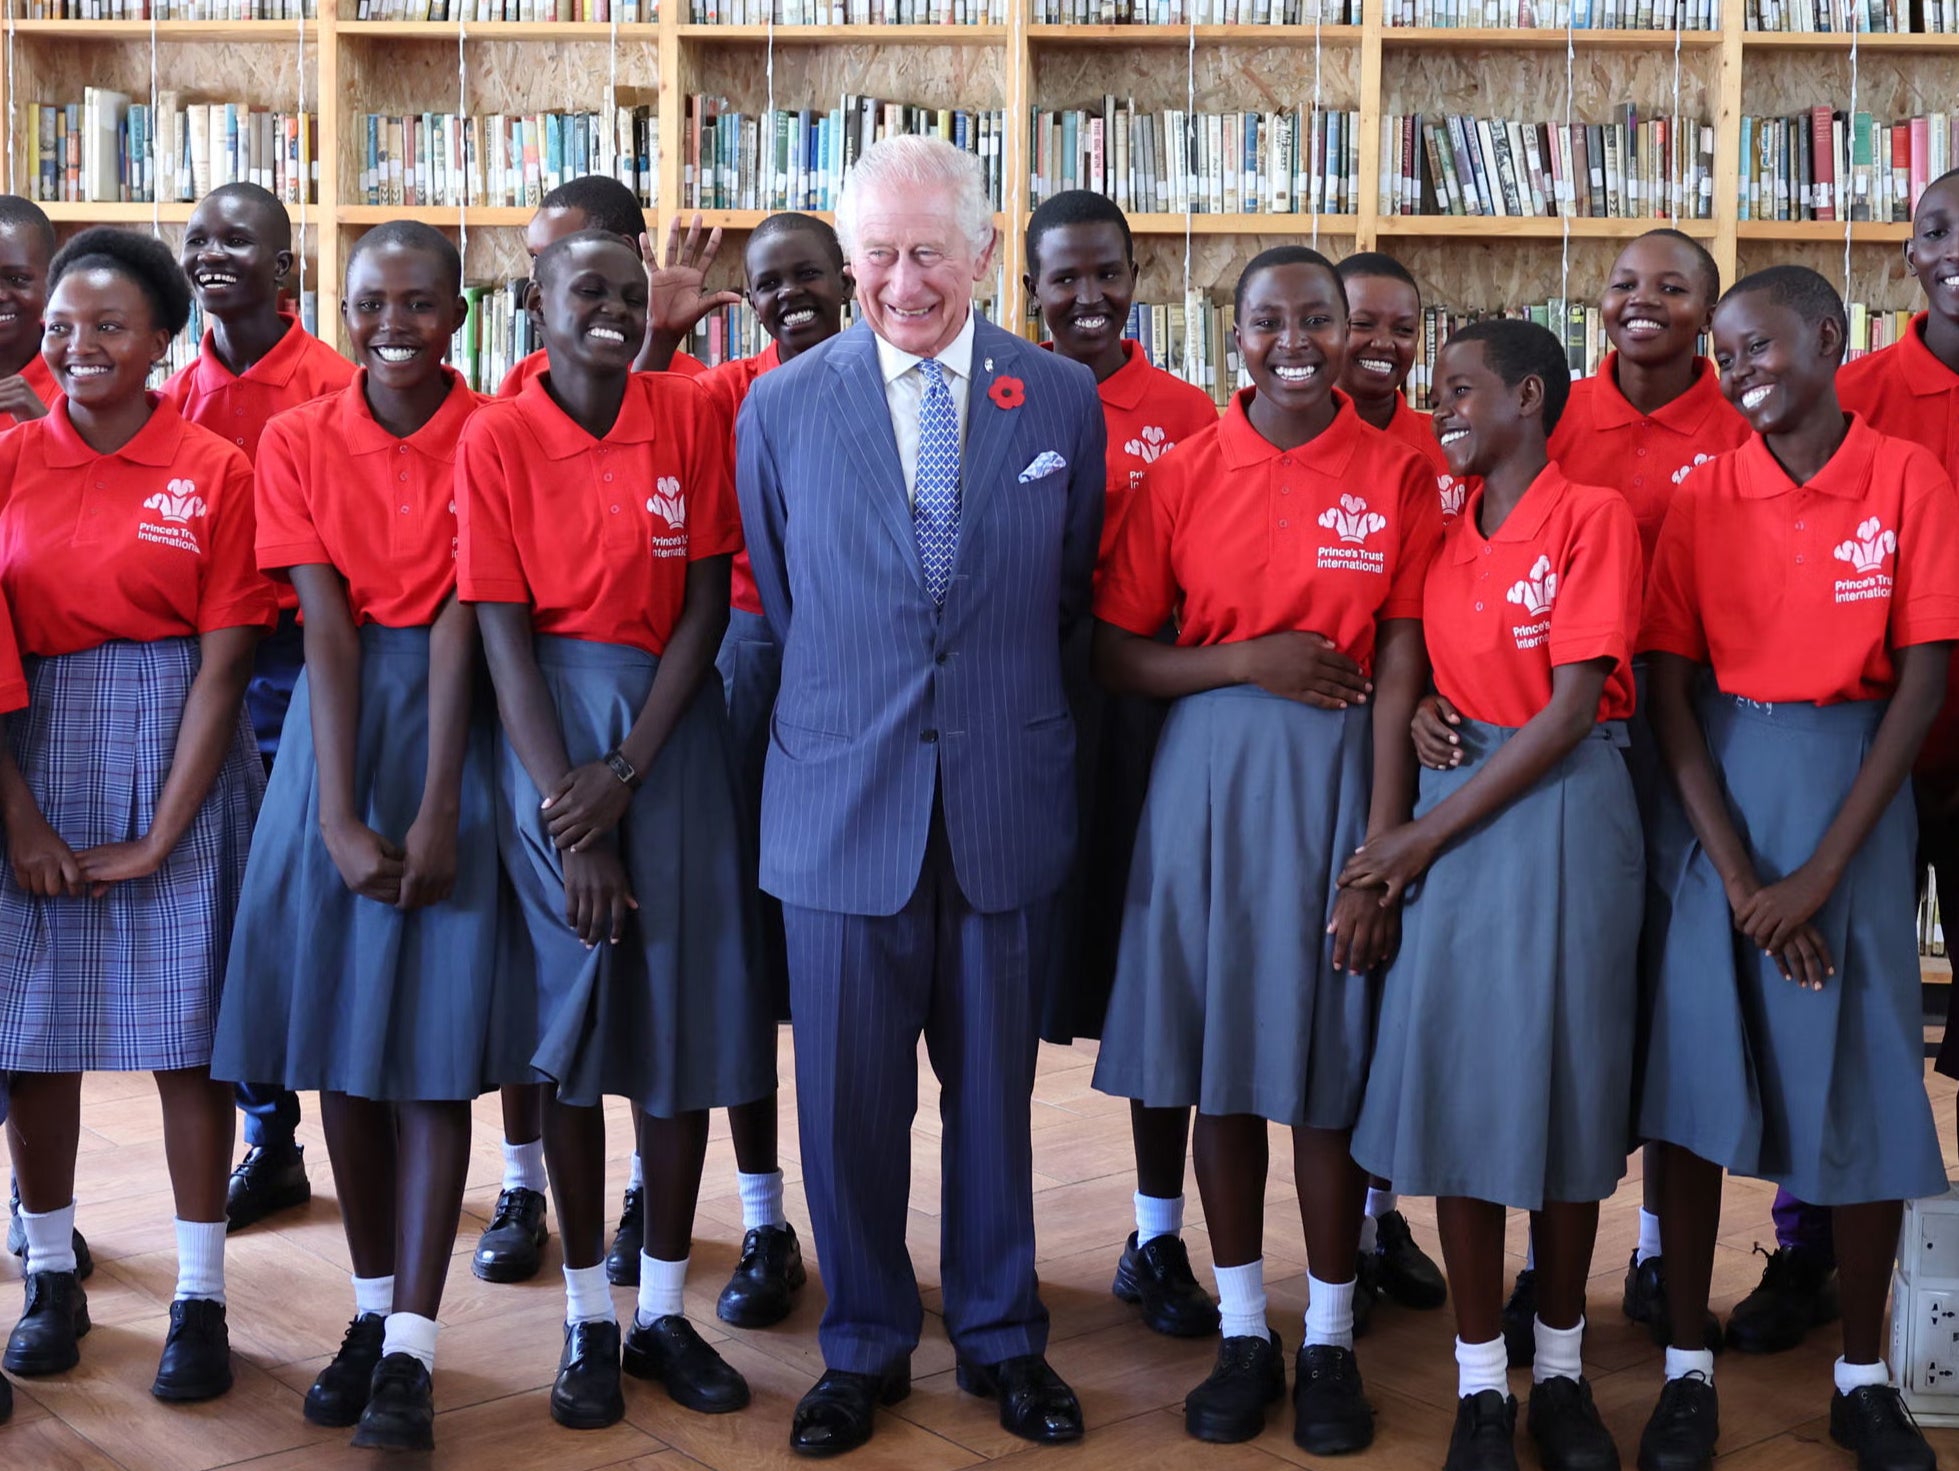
column 935, row 500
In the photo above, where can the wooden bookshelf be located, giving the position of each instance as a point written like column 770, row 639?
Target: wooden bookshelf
column 1375, row 67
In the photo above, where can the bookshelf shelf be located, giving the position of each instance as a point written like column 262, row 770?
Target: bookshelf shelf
column 494, row 30
column 738, row 219
column 1241, row 224
column 474, row 217
column 1538, row 38
column 1828, row 232
column 1533, row 227
column 270, row 32
column 1884, row 41
column 84, row 213
column 938, row 35
column 1278, row 36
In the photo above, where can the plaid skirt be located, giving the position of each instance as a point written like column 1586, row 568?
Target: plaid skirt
column 130, row 981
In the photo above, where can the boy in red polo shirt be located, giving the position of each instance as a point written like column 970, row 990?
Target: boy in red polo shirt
column 27, row 388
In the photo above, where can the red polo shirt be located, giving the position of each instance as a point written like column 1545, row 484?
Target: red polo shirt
column 329, row 477
column 13, row 681
column 728, row 385
column 595, row 534
column 1800, row 593
column 1250, row 539
column 530, row 367
column 153, row 541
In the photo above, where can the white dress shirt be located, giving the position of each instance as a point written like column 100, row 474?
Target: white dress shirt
column 904, row 391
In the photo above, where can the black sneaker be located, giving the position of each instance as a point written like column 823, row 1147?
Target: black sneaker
column 762, row 1289
column 270, row 1178
column 1797, row 1293
column 622, row 1260
column 1406, row 1274
column 669, row 1352
column 511, row 1247
column 1685, row 1424
column 1156, row 1276
column 400, row 1413
column 1330, row 1412
column 52, row 1321
column 587, row 1394
column 1565, row 1424
column 196, row 1363
column 1485, row 1437
column 17, row 1238
column 1230, row 1405
column 339, row 1394
column 1645, row 1301
column 1874, row 1422
column 1520, row 1321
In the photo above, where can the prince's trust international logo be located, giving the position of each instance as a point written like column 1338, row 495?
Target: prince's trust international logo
column 1866, row 553
column 669, row 503
column 176, row 506
column 1148, row 446
column 1352, row 525
column 1535, row 594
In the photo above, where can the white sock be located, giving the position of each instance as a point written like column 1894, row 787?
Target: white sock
column 637, row 1179
column 1481, row 1366
column 412, row 1334
column 374, row 1295
column 761, row 1200
column 1158, row 1215
column 1649, row 1237
column 200, row 1260
column 1380, row 1202
column 1330, row 1312
column 1684, row 1361
column 588, row 1297
column 523, row 1166
column 1241, row 1300
column 1530, row 1255
column 1558, row 1352
column 661, row 1285
column 1860, row 1376
column 50, row 1239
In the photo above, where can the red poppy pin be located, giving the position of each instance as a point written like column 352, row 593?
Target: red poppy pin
column 1007, row 393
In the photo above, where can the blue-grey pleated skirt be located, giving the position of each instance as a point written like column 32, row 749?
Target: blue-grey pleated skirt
column 676, row 1017
column 1225, row 994
column 1822, row 1092
column 1503, row 1070
column 128, row 982
column 329, row 990
column 750, row 666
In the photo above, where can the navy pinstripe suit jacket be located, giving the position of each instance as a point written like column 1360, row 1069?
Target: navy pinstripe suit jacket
column 885, row 698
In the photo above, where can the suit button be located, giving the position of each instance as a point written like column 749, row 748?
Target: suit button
column 930, row 737
column 940, row 658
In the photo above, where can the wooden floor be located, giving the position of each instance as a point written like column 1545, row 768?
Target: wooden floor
column 290, row 1301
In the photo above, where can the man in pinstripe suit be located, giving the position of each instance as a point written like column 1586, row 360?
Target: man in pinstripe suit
column 922, row 497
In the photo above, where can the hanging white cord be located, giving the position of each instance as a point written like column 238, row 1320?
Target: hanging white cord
column 768, row 117
column 1319, row 9
column 1567, row 207
column 156, row 183
column 1191, row 364
column 1850, row 134
column 1674, row 186
column 462, row 121
column 610, row 113
column 299, row 123
column 11, row 95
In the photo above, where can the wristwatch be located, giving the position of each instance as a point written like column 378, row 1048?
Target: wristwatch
column 621, row 768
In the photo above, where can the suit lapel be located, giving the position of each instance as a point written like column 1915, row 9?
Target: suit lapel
column 864, row 416
column 989, row 428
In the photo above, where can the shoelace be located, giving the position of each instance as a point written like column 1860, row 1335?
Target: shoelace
column 1680, row 1404
column 1886, row 1409
column 510, row 1207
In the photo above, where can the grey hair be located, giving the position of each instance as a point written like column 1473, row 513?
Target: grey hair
column 909, row 162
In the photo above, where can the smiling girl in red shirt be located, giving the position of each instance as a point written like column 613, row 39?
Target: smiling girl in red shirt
column 597, row 523
column 129, row 789
column 1384, row 327
column 1082, row 276
column 1804, row 603
column 27, row 387
column 1294, row 539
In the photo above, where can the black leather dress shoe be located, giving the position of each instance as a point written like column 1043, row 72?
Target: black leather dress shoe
column 400, row 1413
column 1331, row 1415
column 1156, row 1276
column 1230, row 1406
column 339, row 1394
column 269, row 1179
column 6, row 1399
column 17, row 1238
column 1520, row 1321
column 622, row 1259
column 1035, row 1402
column 1645, row 1301
column 45, row 1340
column 196, row 1363
column 1798, row 1292
column 670, row 1352
column 512, row 1245
column 1565, row 1424
column 1874, row 1422
column 1485, row 1435
column 763, row 1287
column 838, row 1413
column 587, row 1394
column 1683, row 1428
column 1407, row 1275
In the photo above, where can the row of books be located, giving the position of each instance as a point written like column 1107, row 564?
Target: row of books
column 198, row 10
column 1197, row 12
column 1879, row 17
column 1633, row 168
column 626, row 12
column 107, row 149
column 1300, row 162
column 1827, row 165
column 442, row 159
column 798, row 159
column 1558, row 15
column 848, row 12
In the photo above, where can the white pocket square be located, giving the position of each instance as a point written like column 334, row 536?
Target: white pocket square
column 1043, row 464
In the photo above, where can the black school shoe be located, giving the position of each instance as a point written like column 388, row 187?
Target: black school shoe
column 17, row 1238
column 400, row 1413
column 762, row 1289
column 340, row 1392
column 53, row 1320
column 622, row 1258
column 1645, row 1301
column 269, row 1179
column 1520, row 1321
column 1565, row 1424
column 1797, row 1292
column 1230, row 1406
column 1684, row 1426
column 1156, row 1276
column 1873, row 1422
column 1035, row 1402
column 511, row 1248
column 1406, row 1274
column 1485, row 1437
column 1331, row 1415
column 587, row 1394
column 196, row 1363
column 669, row 1352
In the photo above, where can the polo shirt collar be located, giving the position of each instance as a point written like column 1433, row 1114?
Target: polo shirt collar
column 1847, row 475
column 1525, row 521
column 154, row 444
column 1684, row 416
column 1924, row 374
column 362, row 434
column 1123, row 389
column 894, row 362
column 1329, row 450
column 563, row 438
column 275, row 369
